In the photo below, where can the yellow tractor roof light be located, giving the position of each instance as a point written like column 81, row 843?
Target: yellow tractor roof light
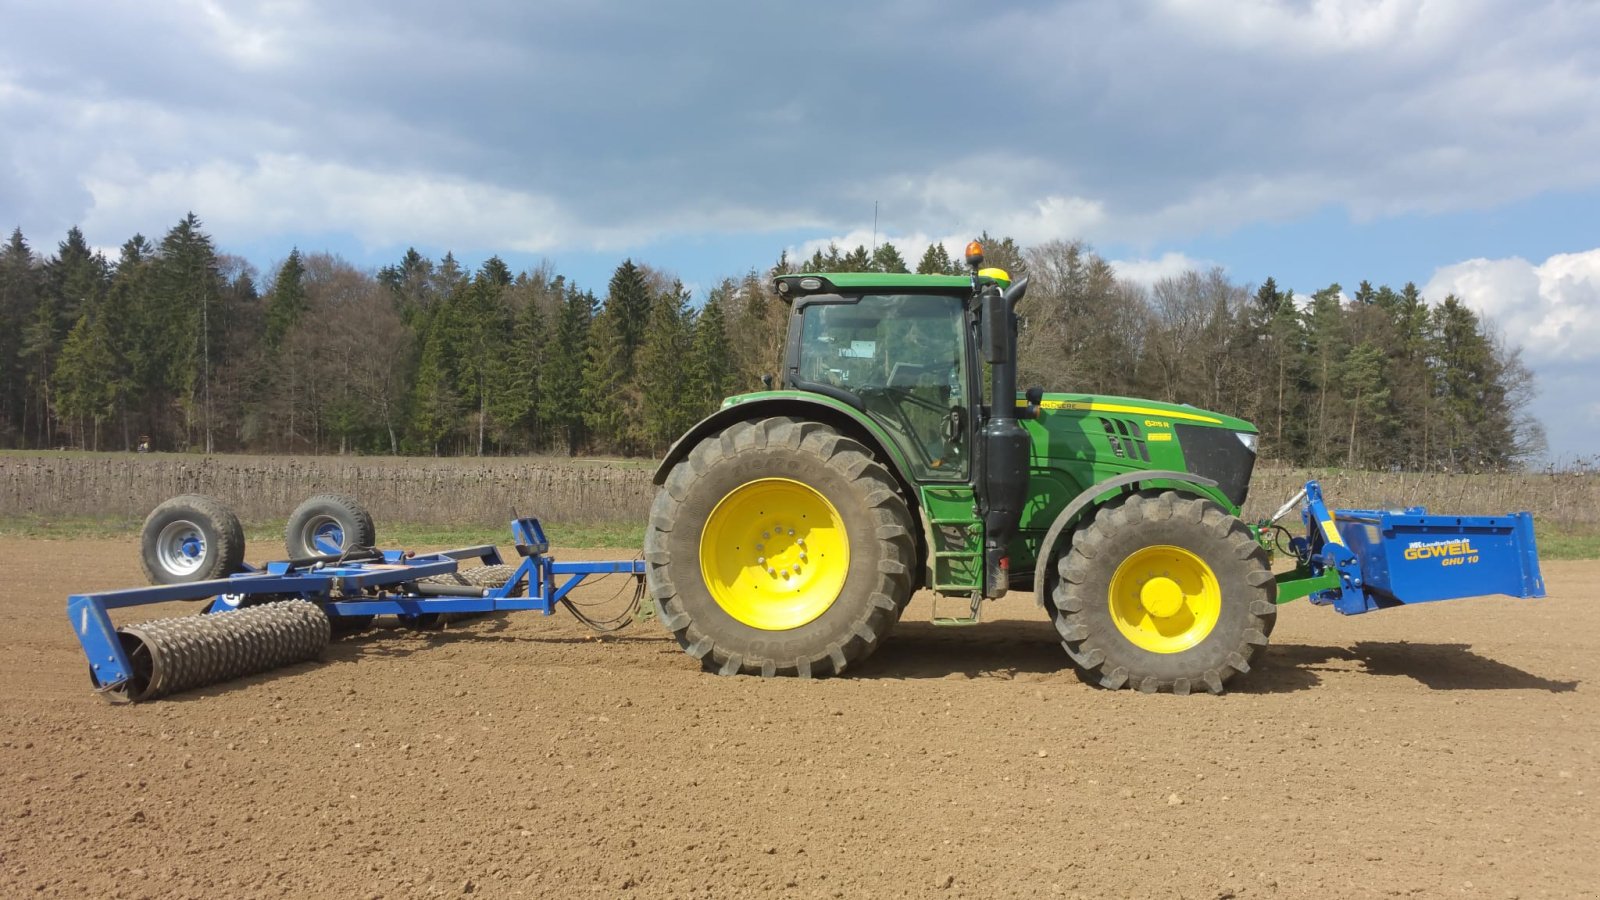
column 997, row 275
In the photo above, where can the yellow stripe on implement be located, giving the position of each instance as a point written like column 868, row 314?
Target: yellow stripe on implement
column 1120, row 408
column 1331, row 533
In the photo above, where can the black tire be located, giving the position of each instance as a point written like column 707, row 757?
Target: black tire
column 878, row 580
column 327, row 524
column 190, row 538
column 1099, row 649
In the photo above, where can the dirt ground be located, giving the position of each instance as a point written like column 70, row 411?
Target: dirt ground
column 1442, row 750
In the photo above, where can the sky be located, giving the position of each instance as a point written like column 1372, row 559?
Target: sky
column 1453, row 143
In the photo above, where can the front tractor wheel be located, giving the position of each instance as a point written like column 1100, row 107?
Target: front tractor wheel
column 779, row 547
column 1164, row 592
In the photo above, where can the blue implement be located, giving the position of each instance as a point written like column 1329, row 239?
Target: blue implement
column 1389, row 558
column 362, row 583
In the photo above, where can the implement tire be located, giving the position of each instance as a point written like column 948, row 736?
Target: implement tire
column 1164, row 591
column 190, row 538
column 779, row 547
column 328, row 524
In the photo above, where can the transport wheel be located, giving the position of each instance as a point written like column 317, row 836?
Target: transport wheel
column 327, row 524
column 1164, row 592
column 779, row 547
column 190, row 538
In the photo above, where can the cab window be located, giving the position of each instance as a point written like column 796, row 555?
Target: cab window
column 904, row 357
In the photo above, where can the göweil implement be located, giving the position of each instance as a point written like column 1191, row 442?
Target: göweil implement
column 792, row 526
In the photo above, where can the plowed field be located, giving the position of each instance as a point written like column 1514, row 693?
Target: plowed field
column 1442, row 750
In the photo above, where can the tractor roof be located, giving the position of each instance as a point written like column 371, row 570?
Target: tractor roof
column 790, row 286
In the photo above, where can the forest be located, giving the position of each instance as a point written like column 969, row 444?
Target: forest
column 190, row 349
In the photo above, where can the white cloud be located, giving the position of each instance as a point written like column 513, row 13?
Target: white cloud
column 277, row 193
column 1149, row 271
column 1551, row 310
column 1323, row 26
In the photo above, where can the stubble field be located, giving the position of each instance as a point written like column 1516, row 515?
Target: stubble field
column 1443, row 750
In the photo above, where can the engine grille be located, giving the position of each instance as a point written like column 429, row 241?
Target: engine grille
column 1218, row 454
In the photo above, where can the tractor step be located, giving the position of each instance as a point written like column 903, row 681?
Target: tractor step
column 971, row 618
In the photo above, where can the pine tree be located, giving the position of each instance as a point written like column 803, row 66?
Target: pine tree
column 1326, row 344
column 435, row 406
column 630, row 297
column 1366, row 395
column 857, row 260
column 610, row 400
column 20, row 288
column 187, row 274
column 665, row 360
column 711, row 368
column 86, row 375
column 131, row 321
column 888, row 259
column 936, row 261
column 286, row 301
column 561, row 403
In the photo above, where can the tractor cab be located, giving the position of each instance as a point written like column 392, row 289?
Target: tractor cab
column 904, row 350
column 899, row 353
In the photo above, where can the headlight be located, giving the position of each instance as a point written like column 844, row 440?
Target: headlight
column 1248, row 440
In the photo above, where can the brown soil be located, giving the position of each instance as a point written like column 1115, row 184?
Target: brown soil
column 1446, row 749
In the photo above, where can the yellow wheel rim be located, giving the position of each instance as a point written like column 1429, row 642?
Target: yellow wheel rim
column 1165, row 599
column 774, row 554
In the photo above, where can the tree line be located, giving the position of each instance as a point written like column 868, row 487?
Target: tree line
column 186, row 348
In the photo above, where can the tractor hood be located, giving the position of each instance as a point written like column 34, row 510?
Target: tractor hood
column 1170, row 413
column 1130, row 434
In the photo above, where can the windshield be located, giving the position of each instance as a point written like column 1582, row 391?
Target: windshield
column 904, row 357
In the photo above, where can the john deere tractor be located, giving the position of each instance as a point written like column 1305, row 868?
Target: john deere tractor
column 792, row 526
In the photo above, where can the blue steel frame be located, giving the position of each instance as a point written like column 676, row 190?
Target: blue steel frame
column 368, row 587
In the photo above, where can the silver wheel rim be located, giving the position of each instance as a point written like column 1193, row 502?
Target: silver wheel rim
column 323, row 535
column 181, row 546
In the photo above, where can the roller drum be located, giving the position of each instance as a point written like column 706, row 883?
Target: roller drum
column 179, row 654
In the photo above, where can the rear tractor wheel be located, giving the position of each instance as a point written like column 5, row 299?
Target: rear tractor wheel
column 1164, row 592
column 779, row 547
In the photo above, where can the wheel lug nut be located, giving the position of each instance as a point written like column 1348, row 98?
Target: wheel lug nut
column 791, row 532
column 761, row 560
column 765, row 535
column 773, row 572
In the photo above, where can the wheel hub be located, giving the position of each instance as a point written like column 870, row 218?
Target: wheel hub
column 1165, row 599
column 181, row 547
column 774, row 554
column 1161, row 597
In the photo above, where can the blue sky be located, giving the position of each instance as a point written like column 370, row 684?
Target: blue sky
column 1454, row 144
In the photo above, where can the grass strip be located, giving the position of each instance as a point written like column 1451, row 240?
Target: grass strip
column 268, row 540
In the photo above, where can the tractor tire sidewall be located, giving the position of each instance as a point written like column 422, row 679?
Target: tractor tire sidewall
column 876, row 520
column 353, row 519
column 1103, row 654
column 223, row 534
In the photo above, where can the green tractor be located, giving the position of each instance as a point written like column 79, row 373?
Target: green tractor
column 792, row 526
